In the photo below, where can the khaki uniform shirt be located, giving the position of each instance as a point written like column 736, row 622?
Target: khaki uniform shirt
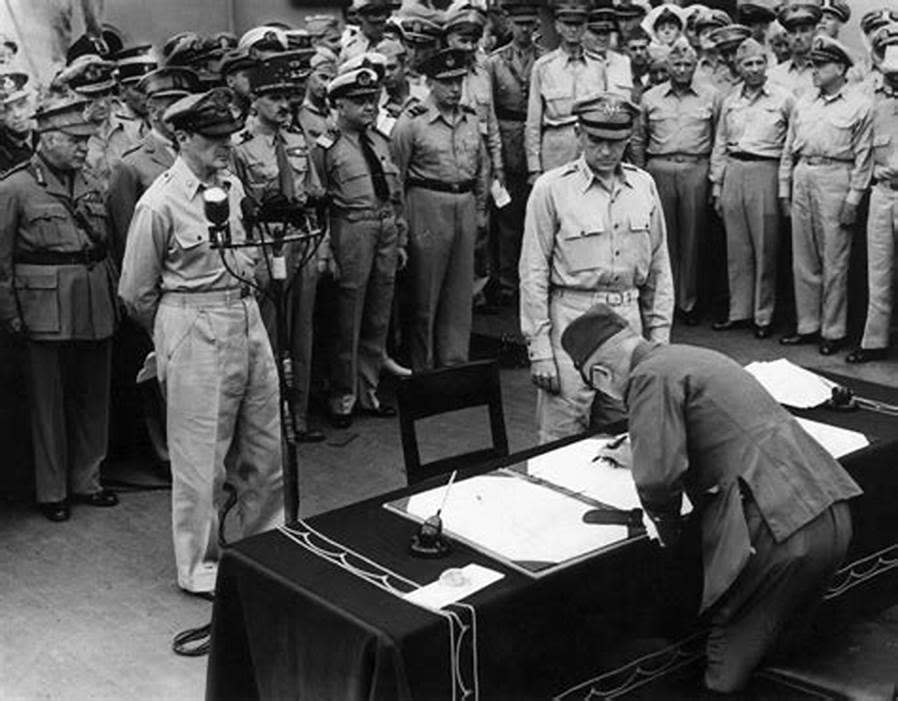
column 716, row 73
column 477, row 92
column 427, row 145
column 839, row 127
column 558, row 80
column 619, row 73
column 40, row 213
column 511, row 68
column 753, row 125
column 798, row 79
column 168, row 247
column 885, row 135
column 107, row 147
column 579, row 235
column 313, row 121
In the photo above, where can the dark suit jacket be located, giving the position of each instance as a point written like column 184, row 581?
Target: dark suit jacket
column 700, row 423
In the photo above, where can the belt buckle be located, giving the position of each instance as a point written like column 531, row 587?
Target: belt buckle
column 614, row 299
column 455, row 187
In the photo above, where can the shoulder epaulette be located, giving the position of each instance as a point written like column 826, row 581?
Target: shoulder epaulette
column 416, row 110
column 15, row 169
column 326, row 140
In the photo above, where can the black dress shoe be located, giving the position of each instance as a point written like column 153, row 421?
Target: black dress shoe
column 729, row 325
column 866, row 355
column 340, row 420
column 763, row 331
column 384, row 411
column 831, row 345
column 103, row 498
column 55, row 510
column 798, row 339
column 310, row 435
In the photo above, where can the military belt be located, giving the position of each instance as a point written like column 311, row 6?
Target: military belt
column 678, row 157
column 753, row 157
column 613, row 298
column 824, row 161
column 354, row 215
column 203, row 298
column 889, row 183
column 510, row 115
column 86, row 256
column 440, row 186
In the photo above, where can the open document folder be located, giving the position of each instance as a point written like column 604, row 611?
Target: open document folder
column 791, row 384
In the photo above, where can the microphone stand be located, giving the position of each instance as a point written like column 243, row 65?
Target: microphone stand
column 271, row 235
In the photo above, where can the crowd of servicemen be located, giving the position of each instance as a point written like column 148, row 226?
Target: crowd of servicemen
column 455, row 163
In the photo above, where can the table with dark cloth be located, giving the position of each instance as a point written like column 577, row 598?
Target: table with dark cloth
column 317, row 614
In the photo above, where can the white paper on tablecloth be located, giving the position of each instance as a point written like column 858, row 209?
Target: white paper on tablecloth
column 837, row 441
column 791, row 384
column 439, row 593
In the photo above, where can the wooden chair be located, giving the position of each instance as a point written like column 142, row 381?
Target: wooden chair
column 434, row 392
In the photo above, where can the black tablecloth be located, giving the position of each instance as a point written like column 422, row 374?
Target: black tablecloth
column 319, row 616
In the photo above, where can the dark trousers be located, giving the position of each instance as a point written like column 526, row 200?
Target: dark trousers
column 775, row 595
column 68, row 389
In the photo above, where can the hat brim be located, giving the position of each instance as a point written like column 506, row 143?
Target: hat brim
column 97, row 89
column 607, row 133
column 168, row 94
column 76, row 130
column 224, row 129
column 450, row 75
column 13, row 96
column 572, row 17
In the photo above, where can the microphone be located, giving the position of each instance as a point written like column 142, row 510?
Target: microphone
column 217, row 210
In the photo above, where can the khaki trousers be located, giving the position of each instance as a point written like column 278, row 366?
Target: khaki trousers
column 683, row 189
column 882, row 227
column 68, row 391
column 568, row 412
column 366, row 253
column 442, row 229
column 751, row 217
column 217, row 372
column 820, row 248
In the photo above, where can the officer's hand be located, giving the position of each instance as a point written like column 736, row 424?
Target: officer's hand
column 715, row 202
column 544, row 374
column 848, row 215
column 402, row 259
column 616, row 453
column 531, row 179
column 785, row 207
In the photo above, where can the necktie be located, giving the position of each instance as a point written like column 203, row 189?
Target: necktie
column 381, row 189
column 286, row 185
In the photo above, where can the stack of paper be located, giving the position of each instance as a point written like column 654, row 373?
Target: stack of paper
column 837, row 441
column 791, row 384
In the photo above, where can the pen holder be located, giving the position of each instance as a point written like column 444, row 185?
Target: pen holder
column 429, row 542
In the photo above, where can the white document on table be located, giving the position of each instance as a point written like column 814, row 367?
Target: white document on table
column 791, row 384
column 516, row 519
column 443, row 591
column 837, row 441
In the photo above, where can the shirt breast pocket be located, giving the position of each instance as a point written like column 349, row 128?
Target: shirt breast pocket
column 558, row 101
column 50, row 226
column 354, row 180
column 188, row 240
column 584, row 248
column 639, row 246
column 882, row 146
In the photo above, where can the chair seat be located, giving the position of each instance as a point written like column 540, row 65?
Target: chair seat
column 858, row 662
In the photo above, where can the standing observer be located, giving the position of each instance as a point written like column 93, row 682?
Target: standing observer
column 57, row 291
column 214, row 360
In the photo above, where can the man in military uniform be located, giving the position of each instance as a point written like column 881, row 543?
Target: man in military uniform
column 235, row 68
column 675, row 135
column 325, row 32
column 373, row 15
column 445, row 207
column 636, row 47
column 313, row 116
column 836, row 14
column 594, row 232
column 57, row 290
column 871, row 24
column 749, row 142
column 422, row 30
column 272, row 161
column 825, row 169
column 559, row 79
column 726, row 41
column 510, row 68
column 629, row 16
column 397, row 94
column 368, row 239
column 16, row 135
column 132, row 64
column 757, row 16
column 214, row 360
column 800, row 22
column 711, row 68
column 600, row 27
column 882, row 223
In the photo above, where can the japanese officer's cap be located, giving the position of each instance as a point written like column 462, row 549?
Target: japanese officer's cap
column 588, row 332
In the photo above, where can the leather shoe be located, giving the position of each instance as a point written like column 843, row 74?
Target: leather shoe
column 55, row 510
column 382, row 411
column 340, row 420
column 798, row 339
column 103, row 498
column 762, row 331
column 309, row 435
column 728, row 325
column 831, row 345
column 866, row 355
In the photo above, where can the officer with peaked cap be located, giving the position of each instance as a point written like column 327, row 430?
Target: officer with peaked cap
column 711, row 67
column 214, row 360
column 57, row 290
column 774, row 524
column 727, row 40
column 559, row 78
column 825, row 169
column 836, row 14
column 422, row 31
column 594, row 232
column 131, row 65
column 445, row 208
column 373, row 15
column 674, row 141
column 314, row 114
column 272, row 161
column 17, row 138
column 757, row 16
column 629, row 17
column 749, row 142
column 601, row 26
column 368, row 240
column 235, row 68
column 882, row 224
column 800, row 21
